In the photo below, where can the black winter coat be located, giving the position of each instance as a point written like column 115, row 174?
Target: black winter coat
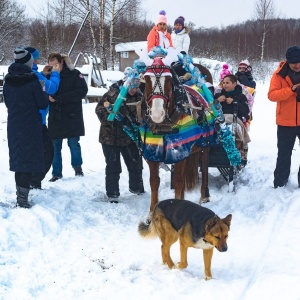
column 23, row 97
column 246, row 79
column 65, row 118
column 112, row 133
column 236, row 95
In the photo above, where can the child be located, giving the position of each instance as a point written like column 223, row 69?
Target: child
column 231, row 92
column 244, row 74
column 180, row 35
column 225, row 71
column 158, row 36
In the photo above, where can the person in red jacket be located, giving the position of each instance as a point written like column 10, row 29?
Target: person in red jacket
column 285, row 90
column 159, row 36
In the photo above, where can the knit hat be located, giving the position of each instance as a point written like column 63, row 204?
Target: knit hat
column 34, row 52
column 22, row 56
column 224, row 72
column 244, row 63
column 293, row 55
column 162, row 17
column 179, row 20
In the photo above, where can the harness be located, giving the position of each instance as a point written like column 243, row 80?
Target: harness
column 157, row 71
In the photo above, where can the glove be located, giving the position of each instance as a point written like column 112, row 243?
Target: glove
column 185, row 77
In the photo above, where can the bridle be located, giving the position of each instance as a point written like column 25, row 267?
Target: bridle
column 157, row 72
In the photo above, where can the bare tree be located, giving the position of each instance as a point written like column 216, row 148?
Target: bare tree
column 12, row 19
column 88, row 5
column 264, row 11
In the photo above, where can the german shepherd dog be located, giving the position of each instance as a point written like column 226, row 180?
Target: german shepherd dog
column 195, row 226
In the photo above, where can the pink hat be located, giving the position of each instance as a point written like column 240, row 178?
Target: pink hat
column 244, row 63
column 162, row 17
column 224, row 72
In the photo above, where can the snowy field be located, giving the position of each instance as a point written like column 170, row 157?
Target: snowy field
column 74, row 245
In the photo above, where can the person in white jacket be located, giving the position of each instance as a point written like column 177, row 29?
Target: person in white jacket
column 180, row 35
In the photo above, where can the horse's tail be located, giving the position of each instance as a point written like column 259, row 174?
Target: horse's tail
column 191, row 171
column 147, row 230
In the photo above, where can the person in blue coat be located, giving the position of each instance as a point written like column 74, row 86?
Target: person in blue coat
column 50, row 79
column 24, row 97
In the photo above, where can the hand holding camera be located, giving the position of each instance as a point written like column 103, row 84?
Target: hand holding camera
column 47, row 70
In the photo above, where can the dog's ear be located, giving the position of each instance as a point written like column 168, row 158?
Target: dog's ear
column 227, row 220
column 211, row 223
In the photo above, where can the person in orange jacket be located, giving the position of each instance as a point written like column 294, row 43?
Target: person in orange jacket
column 285, row 90
column 158, row 35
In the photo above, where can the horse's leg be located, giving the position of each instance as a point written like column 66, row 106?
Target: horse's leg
column 204, row 170
column 154, row 183
column 179, row 179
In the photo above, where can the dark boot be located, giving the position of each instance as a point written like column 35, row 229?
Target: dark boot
column 22, row 197
column 137, row 188
column 78, row 171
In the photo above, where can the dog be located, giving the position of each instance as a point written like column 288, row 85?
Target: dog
column 195, row 226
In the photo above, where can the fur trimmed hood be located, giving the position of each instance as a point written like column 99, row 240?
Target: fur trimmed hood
column 68, row 61
column 187, row 29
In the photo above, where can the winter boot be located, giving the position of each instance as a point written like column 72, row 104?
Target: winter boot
column 22, row 197
column 78, row 171
column 137, row 189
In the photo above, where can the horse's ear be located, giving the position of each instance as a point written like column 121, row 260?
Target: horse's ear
column 143, row 55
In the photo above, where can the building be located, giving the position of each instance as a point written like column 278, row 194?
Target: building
column 126, row 53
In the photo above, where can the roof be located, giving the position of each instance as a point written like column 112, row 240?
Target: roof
column 131, row 46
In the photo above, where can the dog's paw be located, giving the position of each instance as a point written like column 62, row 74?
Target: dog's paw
column 208, row 277
column 181, row 265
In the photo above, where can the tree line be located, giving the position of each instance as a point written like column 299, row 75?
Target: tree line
column 265, row 38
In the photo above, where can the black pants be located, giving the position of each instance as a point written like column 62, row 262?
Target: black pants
column 23, row 179
column 113, row 169
column 286, row 137
column 37, row 177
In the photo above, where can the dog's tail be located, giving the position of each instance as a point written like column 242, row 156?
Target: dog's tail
column 147, row 230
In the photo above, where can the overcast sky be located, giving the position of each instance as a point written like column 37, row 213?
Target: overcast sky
column 203, row 13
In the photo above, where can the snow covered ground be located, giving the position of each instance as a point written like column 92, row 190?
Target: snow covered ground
column 74, row 245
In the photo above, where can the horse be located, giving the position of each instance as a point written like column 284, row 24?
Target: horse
column 171, row 129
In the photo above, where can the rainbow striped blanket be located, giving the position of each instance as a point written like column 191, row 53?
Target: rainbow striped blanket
column 174, row 147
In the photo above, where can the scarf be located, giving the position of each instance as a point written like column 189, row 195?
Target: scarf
column 163, row 40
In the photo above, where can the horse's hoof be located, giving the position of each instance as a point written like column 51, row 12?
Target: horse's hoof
column 204, row 200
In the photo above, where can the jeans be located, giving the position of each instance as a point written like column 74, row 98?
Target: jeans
column 75, row 149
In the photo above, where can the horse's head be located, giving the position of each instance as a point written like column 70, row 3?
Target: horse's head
column 158, row 84
column 158, row 90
